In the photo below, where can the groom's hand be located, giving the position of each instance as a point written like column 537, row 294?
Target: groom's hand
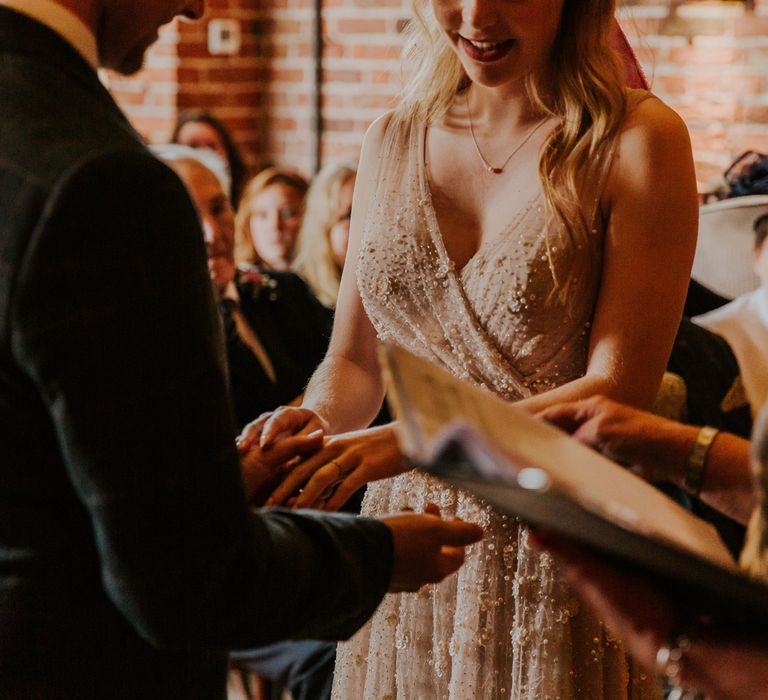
column 427, row 548
column 263, row 470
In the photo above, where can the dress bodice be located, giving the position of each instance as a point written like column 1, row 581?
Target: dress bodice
column 501, row 320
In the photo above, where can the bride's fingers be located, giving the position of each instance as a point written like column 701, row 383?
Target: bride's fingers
column 284, row 451
column 250, row 434
column 313, row 424
column 295, row 446
column 345, row 491
column 284, row 421
column 321, row 485
column 296, row 479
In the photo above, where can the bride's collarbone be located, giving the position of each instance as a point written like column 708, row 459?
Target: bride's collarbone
column 470, row 215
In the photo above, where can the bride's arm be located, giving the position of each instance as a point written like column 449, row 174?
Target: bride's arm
column 346, row 389
column 651, row 207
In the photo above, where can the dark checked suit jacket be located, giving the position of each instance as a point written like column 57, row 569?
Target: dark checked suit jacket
column 129, row 560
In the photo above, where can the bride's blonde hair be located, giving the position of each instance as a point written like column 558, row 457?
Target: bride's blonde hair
column 586, row 94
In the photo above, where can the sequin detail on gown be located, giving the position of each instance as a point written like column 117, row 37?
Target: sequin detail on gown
column 504, row 626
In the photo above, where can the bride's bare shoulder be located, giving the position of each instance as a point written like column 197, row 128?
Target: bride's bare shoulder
column 374, row 135
column 650, row 123
column 372, row 144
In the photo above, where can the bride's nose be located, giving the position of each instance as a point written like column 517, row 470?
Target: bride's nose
column 479, row 14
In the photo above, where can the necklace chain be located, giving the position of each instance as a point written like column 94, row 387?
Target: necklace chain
column 490, row 168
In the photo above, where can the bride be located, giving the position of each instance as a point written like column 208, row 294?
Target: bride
column 527, row 222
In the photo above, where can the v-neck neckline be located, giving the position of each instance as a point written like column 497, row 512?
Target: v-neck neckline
column 434, row 223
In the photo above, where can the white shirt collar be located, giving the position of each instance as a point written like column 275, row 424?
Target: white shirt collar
column 62, row 21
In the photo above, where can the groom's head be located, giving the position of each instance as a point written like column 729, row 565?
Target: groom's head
column 125, row 29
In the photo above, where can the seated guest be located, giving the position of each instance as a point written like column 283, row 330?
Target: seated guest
column 199, row 129
column 744, row 324
column 701, row 299
column 324, row 235
column 276, row 331
column 729, row 662
column 264, row 354
column 269, row 218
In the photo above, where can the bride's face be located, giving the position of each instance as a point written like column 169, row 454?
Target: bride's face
column 500, row 41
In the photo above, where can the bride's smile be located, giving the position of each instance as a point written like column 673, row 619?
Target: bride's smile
column 498, row 41
column 485, row 51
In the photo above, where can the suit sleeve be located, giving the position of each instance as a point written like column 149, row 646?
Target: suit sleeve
column 115, row 323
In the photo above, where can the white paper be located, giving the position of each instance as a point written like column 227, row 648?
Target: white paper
column 430, row 401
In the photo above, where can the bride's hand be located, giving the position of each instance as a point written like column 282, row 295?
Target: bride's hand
column 327, row 479
column 270, row 427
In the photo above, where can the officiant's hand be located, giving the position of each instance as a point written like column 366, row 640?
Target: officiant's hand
column 655, row 448
column 327, row 479
column 427, row 548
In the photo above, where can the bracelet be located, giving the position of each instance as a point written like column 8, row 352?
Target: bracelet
column 694, row 468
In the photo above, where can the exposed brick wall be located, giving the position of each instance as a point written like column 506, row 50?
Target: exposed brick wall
column 149, row 98
column 712, row 67
column 180, row 73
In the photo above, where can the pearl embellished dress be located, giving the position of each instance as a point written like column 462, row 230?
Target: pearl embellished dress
column 505, row 626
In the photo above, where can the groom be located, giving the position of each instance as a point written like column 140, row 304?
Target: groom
column 129, row 560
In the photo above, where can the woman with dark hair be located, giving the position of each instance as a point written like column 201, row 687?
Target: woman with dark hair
column 199, row 129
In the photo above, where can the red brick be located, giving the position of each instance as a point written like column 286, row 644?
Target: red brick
column 362, row 26
column 287, row 75
column 384, row 52
column 342, row 76
column 265, row 93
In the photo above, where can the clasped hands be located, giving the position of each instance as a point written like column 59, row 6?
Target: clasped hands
column 289, row 459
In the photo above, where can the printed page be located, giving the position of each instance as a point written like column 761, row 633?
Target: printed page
column 430, row 402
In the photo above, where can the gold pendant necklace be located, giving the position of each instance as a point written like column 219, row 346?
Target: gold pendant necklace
column 490, row 168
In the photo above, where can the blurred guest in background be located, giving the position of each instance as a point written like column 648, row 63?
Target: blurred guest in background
column 269, row 218
column 199, row 129
column 744, row 324
column 276, row 331
column 324, row 235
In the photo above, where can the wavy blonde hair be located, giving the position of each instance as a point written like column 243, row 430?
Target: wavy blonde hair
column 314, row 259
column 244, row 249
column 588, row 97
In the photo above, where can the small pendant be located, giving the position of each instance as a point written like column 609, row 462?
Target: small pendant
column 495, row 171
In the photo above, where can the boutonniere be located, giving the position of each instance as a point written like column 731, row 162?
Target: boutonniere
column 257, row 284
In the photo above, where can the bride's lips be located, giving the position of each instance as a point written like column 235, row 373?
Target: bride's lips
column 486, row 51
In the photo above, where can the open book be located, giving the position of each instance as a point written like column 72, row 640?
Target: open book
column 524, row 467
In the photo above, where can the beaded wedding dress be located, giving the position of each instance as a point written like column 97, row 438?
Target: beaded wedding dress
column 505, row 626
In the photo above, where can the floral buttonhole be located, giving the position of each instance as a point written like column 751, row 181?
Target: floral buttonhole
column 257, row 284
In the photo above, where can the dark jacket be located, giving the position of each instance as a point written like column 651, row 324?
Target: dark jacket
column 129, row 560
column 294, row 329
